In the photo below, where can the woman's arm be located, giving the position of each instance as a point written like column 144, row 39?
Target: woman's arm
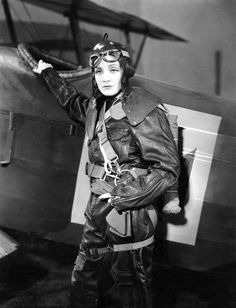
column 159, row 150
column 72, row 101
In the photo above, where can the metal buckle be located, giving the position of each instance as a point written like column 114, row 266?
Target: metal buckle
column 112, row 166
column 101, row 250
column 121, row 171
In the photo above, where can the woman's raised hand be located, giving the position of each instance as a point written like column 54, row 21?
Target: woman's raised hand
column 41, row 66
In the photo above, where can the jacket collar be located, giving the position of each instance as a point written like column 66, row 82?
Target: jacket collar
column 139, row 103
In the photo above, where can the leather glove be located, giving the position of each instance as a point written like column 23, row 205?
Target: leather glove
column 41, row 66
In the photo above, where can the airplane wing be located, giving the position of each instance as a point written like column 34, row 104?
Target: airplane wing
column 98, row 15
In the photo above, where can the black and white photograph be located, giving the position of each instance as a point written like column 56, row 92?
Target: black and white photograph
column 117, row 154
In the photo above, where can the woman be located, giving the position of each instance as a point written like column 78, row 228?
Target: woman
column 133, row 161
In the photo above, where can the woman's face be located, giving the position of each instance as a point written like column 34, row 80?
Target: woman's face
column 108, row 76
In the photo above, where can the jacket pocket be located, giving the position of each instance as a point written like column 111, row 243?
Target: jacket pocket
column 118, row 134
column 120, row 141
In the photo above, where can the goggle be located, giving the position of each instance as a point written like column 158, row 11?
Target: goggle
column 112, row 55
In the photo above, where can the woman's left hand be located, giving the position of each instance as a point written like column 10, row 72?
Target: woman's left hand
column 101, row 210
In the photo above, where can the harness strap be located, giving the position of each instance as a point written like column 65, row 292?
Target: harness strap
column 98, row 172
column 122, row 247
column 95, row 171
column 115, row 111
column 109, row 155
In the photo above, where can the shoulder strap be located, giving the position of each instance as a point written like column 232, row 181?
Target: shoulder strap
column 115, row 111
column 91, row 119
column 111, row 164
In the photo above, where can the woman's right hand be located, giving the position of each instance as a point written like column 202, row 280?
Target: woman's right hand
column 41, row 66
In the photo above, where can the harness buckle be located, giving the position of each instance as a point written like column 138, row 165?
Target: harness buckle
column 112, row 169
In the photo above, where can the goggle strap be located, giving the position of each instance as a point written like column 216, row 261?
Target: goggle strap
column 125, row 53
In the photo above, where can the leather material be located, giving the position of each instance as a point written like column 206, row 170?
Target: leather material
column 141, row 139
column 139, row 104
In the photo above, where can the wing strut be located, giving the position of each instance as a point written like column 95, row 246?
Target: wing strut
column 128, row 41
column 76, row 33
column 9, row 21
column 140, row 51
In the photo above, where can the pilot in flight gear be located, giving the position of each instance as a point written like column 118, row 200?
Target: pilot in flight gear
column 133, row 160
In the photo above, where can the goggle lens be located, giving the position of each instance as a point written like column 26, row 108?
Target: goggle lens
column 108, row 56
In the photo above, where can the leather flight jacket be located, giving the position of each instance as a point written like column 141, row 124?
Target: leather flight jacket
column 141, row 139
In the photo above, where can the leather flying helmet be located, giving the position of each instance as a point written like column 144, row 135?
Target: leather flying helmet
column 111, row 51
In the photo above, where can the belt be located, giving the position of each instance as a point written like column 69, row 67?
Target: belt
column 122, row 247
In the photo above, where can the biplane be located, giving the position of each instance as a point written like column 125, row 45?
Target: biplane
column 43, row 188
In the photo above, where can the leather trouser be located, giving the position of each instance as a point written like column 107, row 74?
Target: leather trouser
column 113, row 279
